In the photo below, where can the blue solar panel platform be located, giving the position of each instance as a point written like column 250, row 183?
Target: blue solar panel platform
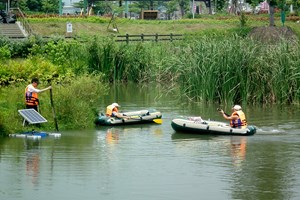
column 32, row 116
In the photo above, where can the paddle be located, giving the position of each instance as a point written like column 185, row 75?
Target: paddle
column 219, row 109
column 53, row 111
column 158, row 121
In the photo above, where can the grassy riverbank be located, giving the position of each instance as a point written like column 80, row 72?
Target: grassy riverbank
column 76, row 102
column 101, row 26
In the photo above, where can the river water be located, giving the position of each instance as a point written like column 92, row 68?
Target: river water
column 153, row 162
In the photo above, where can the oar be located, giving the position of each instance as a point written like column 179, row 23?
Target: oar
column 158, row 121
column 53, row 110
column 219, row 109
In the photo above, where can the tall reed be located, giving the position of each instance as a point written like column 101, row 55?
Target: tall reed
column 238, row 70
column 219, row 68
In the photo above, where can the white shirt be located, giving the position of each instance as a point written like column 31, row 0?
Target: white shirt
column 31, row 88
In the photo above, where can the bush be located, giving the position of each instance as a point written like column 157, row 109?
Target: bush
column 5, row 52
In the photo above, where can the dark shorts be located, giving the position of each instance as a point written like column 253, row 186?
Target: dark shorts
column 35, row 107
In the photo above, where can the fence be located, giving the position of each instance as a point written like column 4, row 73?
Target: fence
column 155, row 38
column 23, row 20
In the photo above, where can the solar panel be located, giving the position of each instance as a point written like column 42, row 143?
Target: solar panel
column 32, row 116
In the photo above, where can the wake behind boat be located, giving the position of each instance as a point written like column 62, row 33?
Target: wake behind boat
column 199, row 126
column 134, row 117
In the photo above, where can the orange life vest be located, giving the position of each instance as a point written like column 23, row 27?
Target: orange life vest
column 240, row 122
column 31, row 98
column 110, row 109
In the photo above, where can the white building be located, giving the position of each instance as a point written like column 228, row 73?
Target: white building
column 68, row 7
column 69, row 2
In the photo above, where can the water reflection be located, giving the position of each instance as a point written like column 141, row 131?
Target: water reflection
column 238, row 147
column 180, row 136
column 112, row 136
column 32, row 148
column 235, row 145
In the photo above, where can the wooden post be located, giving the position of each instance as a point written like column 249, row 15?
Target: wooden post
column 127, row 38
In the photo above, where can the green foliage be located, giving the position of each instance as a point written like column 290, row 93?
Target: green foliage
column 236, row 70
column 101, row 56
column 56, row 52
column 190, row 16
column 220, row 5
column 11, row 99
column 3, row 128
column 216, row 54
column 47, row 6
column 18, row 71
column 76, row 103
column 5, row 52
column 20, row 48
column 50, row 6
column 243, row 19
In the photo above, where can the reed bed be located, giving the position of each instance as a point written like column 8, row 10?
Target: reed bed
column 219, row 68
column 238, row 70
column 228, row 69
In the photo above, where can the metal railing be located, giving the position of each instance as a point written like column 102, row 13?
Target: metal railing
column 22, row 19
column 145, row 37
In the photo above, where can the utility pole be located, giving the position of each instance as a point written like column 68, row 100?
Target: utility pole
column 193, row 7
column 126, row 9
column 60, row 7
column 85, row 6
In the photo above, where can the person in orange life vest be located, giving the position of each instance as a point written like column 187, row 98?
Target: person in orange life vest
column 31, row 94
column 237, row 117
column 113, row 111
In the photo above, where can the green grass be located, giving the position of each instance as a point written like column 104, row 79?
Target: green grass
column 93, row 25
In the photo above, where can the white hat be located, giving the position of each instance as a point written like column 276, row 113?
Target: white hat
column 237, row 107
column 115, row 105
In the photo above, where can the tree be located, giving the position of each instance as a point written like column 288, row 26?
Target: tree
column 253, row 3
column 34, row 5
column 272, row 4
column 171, row 7
column 233, row 7
column 220, row 4
column 50, row 6
column 102, row 8
column 79, row 4
column 184, row 6
column 22, row 4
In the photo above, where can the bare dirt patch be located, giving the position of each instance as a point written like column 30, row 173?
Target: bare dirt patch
column 273, row 34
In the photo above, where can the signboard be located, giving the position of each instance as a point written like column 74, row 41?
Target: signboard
column 149, row 14
column 69, row 27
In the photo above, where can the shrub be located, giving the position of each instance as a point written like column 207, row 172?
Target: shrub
column 5, row 52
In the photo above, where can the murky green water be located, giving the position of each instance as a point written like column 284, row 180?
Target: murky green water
column 153, row 162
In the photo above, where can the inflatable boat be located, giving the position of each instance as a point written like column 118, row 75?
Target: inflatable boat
column 199, row 126
column 134, row 117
